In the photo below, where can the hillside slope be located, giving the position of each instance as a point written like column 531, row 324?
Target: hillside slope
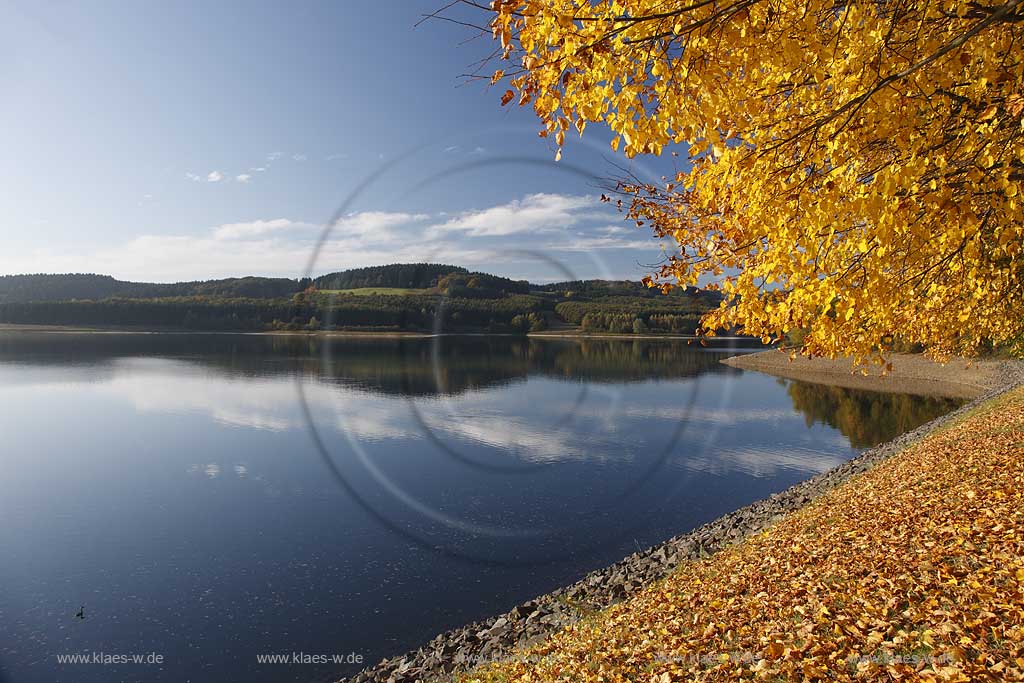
column 67, row 287
column 414, row 297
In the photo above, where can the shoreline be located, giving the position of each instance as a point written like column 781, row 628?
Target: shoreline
column 911, row 373
column 500, row 636
column 82, row 329
column 355, row 334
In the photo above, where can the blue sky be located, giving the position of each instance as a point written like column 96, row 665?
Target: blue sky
column 170, row 141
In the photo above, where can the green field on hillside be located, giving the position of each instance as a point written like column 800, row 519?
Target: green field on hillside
column 405, row 297
column 371, row 291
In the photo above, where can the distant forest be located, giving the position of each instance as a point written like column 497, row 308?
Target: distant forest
column 408, row 275
column 397, row 297
column 28, row 288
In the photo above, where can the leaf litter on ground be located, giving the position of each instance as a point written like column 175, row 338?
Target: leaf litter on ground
column 912, row 571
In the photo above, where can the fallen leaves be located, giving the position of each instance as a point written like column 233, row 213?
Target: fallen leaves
column 912, row 571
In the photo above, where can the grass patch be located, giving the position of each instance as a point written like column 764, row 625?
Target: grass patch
column 375, row 291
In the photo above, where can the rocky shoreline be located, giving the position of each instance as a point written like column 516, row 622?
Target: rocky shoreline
column 498, row 637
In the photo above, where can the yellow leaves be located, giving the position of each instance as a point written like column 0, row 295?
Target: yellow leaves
column 591, row 111
column 503, row 33
column 507, row 97
column 813, row 672
column 1015, row 104
column 910, row 191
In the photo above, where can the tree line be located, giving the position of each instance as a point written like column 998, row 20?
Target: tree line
column 406, row 275
column 425, row 313
column 72, row 286
column 444, row 297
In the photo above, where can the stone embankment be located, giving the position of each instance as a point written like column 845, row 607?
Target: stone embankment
column 497, row 638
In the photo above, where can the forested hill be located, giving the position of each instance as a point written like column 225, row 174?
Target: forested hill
column 83, row 286
column 408, row 275
column 87, row 286
column 405, row 297
column 610, row 288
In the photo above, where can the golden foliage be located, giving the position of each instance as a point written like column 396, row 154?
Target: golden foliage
column 854, row 168
column 911, row 571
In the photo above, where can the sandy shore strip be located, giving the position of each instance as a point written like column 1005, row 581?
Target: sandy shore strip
column 911, row 373
column 506, row 637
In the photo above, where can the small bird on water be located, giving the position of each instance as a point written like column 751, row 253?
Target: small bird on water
column 81, row 613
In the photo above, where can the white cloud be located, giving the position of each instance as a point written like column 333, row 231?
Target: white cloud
column 299, row 157
column 193, row 177
column 258, row 169
column 335, row 157
column 615, row 230
column 534, row 213
column 214, row 177
column 590, row 243
column 243, row 177
column 230, row 231
column 485, row 239
column 179, row 257
column 278, row 248
column 374, row 223
column 274, row 156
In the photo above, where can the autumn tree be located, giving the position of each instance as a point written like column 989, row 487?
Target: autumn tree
column 852, row 169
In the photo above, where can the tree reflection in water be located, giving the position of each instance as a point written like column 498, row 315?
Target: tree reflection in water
column 866, row 418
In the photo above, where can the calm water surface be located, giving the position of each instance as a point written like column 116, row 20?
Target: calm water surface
column 212, row 498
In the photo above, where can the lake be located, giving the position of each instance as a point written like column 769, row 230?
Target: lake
column 212, row 499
